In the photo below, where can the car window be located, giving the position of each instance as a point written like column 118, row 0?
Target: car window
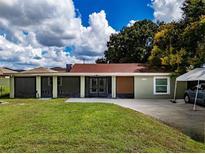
column 202, row 87
column 194, row 88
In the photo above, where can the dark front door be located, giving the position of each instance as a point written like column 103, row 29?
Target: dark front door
column 98, row 87
column 46, row 87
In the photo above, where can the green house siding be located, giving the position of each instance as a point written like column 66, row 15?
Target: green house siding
column 144, row 88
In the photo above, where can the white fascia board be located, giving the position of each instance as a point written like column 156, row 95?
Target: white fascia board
column 94, row 74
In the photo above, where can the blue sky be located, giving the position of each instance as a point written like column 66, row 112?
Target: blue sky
column 119, row 12
column 52, row 33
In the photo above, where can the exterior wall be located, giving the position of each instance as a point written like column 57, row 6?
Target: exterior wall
column 181, row 87
column 144, row 88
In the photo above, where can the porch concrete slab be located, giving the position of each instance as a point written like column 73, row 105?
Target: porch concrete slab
column 179, row 115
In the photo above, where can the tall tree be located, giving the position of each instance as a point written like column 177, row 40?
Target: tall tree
column 193, row 10
column 133, row 44
column 180, row 45
column 167, row 48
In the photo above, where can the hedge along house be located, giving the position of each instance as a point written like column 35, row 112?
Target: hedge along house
column 95, row 80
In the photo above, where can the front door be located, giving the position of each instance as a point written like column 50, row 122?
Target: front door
column 98, row 87
column 46, row 87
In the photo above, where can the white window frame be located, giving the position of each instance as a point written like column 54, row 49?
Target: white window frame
column 168, row 85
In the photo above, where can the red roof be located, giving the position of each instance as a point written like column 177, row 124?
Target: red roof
column 112, row 68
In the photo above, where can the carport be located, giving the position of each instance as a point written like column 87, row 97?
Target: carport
column 197, row 74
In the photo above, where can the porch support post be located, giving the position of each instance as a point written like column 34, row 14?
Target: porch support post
column 175, row 91
column 55, row 87
column 82, row 86
column 135, row 87
column 196, row 96
column 113, row 86
column 12, row 87
column 38, row 87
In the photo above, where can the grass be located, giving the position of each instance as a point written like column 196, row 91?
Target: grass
column 28, row 125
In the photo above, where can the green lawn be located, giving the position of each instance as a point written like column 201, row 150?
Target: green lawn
column 54, row 126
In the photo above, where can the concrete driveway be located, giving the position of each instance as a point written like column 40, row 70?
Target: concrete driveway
column 179, row 115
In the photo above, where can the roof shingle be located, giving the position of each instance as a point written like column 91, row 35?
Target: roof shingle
column 114, row 68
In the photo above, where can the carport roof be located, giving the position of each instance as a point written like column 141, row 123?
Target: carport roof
column 197, row 74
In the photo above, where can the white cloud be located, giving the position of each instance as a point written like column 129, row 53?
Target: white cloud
column 131, row 23
column 20, row 56
column 93, row 39
column 34, row 26
column 167, row 10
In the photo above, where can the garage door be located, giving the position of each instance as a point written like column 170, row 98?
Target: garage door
column 25, row 87
column 125, row 87
column 68, row 86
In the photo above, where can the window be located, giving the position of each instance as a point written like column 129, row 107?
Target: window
column 161, row 85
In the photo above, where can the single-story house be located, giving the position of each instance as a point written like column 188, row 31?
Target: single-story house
column 95, row 80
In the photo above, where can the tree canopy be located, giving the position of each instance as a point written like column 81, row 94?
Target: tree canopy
column 178, row 45
column 132, row 44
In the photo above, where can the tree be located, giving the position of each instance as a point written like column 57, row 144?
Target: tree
column 180, row 45
column 194, row 36
column 133, row 44
column 101, row 61
column 167, row 50
column 193, row 10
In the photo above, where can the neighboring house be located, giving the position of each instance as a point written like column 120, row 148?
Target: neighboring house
column 4, row 76
column 4, row 80
column 6, row 71
column 95, row 80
